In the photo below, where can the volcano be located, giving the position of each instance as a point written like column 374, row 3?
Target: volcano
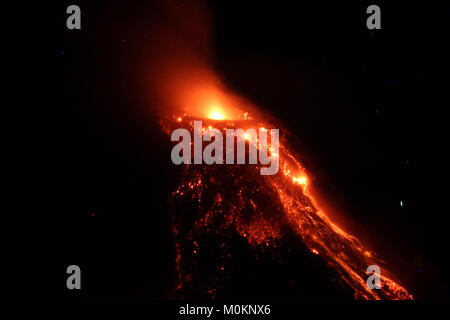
column 217, row 206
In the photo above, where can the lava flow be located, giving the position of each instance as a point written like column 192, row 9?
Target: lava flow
column 215, row 201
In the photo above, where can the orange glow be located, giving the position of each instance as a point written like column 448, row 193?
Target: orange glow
column 300, row 180
column 216, row 115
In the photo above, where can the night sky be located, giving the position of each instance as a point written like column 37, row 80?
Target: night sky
column 86, row 170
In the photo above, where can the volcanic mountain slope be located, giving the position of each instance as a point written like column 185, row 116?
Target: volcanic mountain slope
column 217, row 205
